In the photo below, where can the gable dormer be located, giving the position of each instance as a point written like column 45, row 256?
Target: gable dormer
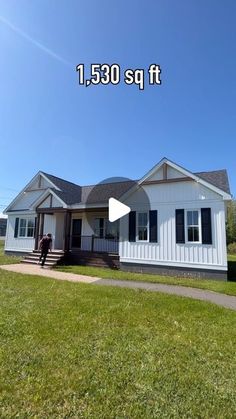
column 31, row 193
column 50, row 201
column 166, row 172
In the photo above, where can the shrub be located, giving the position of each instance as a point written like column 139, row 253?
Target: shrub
column 232, row 247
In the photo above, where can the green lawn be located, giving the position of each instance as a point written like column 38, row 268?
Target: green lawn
column 72, row 350
column 6, row 260
column 218, row 286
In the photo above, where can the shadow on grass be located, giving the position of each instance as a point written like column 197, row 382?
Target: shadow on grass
column 232, row 270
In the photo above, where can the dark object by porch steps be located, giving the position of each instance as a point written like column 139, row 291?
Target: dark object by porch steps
column 98, row 259
column 53, row 258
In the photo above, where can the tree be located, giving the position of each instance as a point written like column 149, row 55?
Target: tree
column 231, row 222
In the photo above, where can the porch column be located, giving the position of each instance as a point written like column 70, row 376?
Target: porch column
column 37, row 232
column 66, row 239
column 41, row 226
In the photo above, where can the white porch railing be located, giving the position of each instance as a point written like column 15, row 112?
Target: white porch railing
column 95, row 244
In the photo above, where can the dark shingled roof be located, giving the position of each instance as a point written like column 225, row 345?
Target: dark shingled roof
column 218, row 178
column 71, row 193
column 103, row 191
column 75, row 194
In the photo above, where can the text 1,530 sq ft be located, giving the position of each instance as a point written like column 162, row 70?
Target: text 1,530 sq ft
column 111, row 74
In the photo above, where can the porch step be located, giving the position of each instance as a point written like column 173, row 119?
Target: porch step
column 53, row 258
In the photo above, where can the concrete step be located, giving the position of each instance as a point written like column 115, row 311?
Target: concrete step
column 34, row 256
column 58, row 253
column 53, row 258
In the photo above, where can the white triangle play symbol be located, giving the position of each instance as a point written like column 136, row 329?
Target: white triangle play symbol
column 117, row 209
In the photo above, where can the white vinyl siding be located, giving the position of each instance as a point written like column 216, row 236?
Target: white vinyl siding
column 21, row 244
column 166, row 198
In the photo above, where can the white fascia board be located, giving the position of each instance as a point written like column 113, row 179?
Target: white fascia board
column 20, row 212
column 21, row 193
column 145, row 177
column 225, row 195
column 46, row 193
column 185, row 172
column 153, row 170
column 208, row 185
column 26, row 187
column 48, row 180
column 83, row 206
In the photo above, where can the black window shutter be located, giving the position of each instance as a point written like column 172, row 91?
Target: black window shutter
column 153, row 226
column 179, row 226
column 16, row 227
column 132, row 226
column 206, row 226
column 101, row 227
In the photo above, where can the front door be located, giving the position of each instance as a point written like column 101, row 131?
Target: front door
column 76, row 233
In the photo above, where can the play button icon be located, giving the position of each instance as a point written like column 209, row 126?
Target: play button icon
column 111, row 200
column 117, row 210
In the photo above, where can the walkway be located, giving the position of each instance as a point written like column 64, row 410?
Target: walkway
column 223, row 300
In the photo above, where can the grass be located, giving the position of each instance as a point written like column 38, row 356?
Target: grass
column 77, row 351
column 5, row 259
column 212, row 285
column 218, row 286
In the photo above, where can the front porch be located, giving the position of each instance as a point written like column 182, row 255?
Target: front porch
column 72, row 232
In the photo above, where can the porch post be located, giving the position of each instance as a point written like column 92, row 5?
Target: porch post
column 66, row 240
column 92, row 243
column 41, row 226
column 37, row 232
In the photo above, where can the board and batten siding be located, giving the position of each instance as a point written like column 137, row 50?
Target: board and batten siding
column 20, row 244
column 49, row 225
column 166, row 198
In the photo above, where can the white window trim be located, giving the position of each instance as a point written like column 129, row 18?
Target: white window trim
column 137, row 239
column 199, row 226
column 26, row 228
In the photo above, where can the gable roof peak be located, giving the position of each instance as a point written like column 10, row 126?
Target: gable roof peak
column 56, row 178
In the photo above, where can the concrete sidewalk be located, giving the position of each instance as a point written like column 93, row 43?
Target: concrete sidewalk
column 223, row 300
column 49, row 273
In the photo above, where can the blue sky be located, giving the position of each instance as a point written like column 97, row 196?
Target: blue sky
column 51, row 123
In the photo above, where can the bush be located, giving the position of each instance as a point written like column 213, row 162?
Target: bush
column 232, row 247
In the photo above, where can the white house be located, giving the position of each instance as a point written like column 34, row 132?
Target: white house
column 176, row 225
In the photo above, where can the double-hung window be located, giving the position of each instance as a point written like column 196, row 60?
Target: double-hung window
column 26, row 227
column 142, row 226
column 193, row 226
